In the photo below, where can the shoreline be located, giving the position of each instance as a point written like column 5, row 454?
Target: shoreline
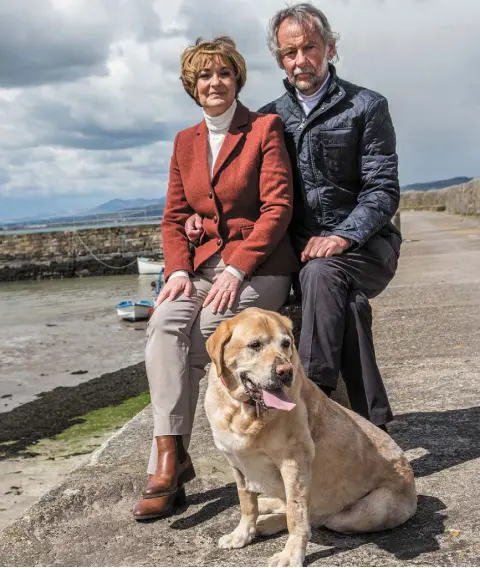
column 43, row 440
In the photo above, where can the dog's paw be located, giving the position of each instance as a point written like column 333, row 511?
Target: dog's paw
column 237, row 539
column 286, row 558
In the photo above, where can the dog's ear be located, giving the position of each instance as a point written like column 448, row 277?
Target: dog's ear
column 287, row 322
column 216, row 344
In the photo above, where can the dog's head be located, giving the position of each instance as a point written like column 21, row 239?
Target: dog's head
column 254, row 354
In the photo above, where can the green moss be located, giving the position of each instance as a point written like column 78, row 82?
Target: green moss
column 108, row 418
column 95, row 427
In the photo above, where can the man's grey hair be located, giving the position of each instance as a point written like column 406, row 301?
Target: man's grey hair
column 306, row 15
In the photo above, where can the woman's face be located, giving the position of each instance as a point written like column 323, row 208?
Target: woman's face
column 216, row 86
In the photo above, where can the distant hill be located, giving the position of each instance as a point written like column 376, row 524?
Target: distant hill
column 115, row 209
column 122, row 204
column 439, row 184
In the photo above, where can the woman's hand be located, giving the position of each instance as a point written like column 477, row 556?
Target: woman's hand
column 173, row 287
column 223, row 292
column 194, row 228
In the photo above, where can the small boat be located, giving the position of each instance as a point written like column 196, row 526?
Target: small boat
column 149, row 266
column 135, row 311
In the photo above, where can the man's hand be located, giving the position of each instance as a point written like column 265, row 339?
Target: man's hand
column 223, row 292
column 194, row 227
column 324, row 247
column 173, row 287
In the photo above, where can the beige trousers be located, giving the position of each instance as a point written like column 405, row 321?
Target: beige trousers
column 176, row 355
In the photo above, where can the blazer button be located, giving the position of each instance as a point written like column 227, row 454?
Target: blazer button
column 219, row 242
column 210, row 195
column 215, row 218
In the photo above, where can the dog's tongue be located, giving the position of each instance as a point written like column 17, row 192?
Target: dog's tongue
column 277, row 399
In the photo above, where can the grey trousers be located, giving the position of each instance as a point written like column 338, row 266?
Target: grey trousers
column 336, row 332
column 176, row 355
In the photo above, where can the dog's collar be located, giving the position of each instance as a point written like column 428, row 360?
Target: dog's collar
column 250, row 401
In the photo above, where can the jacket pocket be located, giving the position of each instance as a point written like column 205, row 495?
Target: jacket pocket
column 339, row 152
column 246, row 231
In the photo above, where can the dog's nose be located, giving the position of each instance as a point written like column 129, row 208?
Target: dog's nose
column 284, row 371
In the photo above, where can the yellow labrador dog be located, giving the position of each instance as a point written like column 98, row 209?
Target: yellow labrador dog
column 317, row 463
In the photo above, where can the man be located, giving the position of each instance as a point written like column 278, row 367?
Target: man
column 341, row 144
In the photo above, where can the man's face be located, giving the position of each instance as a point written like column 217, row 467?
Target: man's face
column 304, row 55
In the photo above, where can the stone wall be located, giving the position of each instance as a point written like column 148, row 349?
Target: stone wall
column 95, row 252
column 87, row 252
column 463, row 199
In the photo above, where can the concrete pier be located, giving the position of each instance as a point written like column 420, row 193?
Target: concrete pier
column 427, row 334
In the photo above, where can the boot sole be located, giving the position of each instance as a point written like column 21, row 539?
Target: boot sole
column 180, row 499
column 188, row 475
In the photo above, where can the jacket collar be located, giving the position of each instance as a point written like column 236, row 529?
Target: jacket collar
column 241, row 118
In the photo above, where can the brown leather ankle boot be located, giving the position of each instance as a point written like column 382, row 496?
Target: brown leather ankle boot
column 158, row 507
column 174, row 468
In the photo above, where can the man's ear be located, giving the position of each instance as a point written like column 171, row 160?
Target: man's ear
column 216, row 344
column 331, row 50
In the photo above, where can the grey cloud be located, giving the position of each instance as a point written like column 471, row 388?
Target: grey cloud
column 115, row 158
column 137, row 19
column 210, row 18
column 94, row 137
column 59, row 122
column 39, row 45
column 4, row 177
column 148, row 169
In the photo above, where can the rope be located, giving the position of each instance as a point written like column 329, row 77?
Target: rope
column 98, row 259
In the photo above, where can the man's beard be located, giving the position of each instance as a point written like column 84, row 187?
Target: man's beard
column 315, row 78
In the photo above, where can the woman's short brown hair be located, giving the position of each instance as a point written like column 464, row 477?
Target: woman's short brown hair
column 195, row 58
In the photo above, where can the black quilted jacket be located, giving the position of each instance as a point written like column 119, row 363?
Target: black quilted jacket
column 345, row 153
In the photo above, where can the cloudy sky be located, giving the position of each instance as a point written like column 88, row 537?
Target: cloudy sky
column 90, row 98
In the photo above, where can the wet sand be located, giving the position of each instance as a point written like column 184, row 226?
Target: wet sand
column 63, row 353
column 65, row 332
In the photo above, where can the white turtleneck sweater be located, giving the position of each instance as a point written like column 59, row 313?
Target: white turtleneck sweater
column 309, row 102
column 217, row 130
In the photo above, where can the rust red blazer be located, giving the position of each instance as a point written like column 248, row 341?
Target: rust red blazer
column 246, row 207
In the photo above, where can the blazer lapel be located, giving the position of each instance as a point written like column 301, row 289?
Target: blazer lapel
column 200, row 156
column 234, row 135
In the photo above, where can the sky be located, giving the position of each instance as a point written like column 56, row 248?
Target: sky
column 90, row 96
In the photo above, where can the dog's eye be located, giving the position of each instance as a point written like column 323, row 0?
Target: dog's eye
column 285, row 343
column 255, row 345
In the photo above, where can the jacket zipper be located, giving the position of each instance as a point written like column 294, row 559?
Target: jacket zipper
column 302, row 124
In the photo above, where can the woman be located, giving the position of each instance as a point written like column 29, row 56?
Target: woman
column 233, row 170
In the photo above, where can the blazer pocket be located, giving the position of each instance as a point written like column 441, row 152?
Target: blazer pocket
column 246, row 231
